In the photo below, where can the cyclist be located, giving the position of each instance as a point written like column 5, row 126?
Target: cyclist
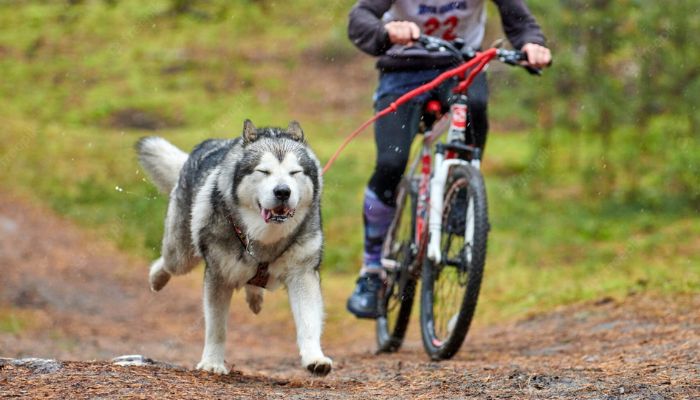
column 389, row 29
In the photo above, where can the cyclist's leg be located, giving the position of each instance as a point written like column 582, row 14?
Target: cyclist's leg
column 393, row 137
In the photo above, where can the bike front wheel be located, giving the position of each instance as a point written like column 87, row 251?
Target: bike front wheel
column 398, row 257
column 450, row 288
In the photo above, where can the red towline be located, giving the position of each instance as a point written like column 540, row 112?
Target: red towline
column 477, row 64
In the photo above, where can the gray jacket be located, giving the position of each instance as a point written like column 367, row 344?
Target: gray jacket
column 366, row 31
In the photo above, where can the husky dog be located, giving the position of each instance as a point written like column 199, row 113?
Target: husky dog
column 250, row 208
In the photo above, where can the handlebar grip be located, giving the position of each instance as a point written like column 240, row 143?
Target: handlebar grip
column 536, row 71
column 521, row 55
column 532, row 70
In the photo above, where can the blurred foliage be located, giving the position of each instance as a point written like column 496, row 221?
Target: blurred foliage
column 624, row 74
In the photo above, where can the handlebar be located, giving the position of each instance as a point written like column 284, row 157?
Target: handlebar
column 459, row 50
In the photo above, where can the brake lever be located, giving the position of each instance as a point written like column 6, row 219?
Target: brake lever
column 429, row 43
column 432, row 43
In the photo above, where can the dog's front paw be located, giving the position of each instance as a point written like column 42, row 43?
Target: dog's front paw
column 217, row 367
column 320, row 366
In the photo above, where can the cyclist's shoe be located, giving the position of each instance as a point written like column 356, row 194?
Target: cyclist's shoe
column 364, row 300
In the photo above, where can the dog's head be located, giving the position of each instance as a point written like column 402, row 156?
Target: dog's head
column 277, row 173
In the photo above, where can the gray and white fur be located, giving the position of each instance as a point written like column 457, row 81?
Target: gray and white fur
column 268, row 184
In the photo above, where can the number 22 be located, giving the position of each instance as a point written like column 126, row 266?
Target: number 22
column 433, row 24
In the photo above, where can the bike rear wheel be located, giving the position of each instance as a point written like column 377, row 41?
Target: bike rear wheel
column 398, row 257
column 450, row 289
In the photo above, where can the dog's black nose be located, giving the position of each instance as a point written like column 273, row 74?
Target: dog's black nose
column 282, row 192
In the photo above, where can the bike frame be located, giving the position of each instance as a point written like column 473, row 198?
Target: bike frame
column 413, row 248
column 437, row 158
column 435, row 161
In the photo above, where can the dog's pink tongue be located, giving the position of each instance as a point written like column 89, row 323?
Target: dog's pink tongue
column 266, row 214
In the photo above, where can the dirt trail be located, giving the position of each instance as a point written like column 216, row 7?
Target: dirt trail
column 65, row 296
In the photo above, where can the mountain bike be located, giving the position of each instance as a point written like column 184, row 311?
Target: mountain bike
column 440, row 230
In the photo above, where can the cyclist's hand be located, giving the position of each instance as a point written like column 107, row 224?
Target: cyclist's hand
column 402, row 32
column 537, row 56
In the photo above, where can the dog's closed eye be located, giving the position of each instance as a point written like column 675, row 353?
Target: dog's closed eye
column 263, row 171
column 295, row 172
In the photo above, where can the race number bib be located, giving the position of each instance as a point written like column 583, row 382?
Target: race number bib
column 446, row 19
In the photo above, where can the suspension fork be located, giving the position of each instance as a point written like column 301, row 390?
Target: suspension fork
column 437, row 192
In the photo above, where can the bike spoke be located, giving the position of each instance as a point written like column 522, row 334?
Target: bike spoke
column 451, row 276
column 397, row 295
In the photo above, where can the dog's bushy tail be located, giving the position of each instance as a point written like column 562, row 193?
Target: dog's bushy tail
column 161, row 160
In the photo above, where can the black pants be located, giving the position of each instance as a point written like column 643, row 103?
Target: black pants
column 393, row 134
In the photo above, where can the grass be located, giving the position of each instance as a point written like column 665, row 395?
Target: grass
column 14, row 321
column 10, row 323
column 562, row 232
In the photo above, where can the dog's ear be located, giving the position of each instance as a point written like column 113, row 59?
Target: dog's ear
column 250, row 133
column 295, row 131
